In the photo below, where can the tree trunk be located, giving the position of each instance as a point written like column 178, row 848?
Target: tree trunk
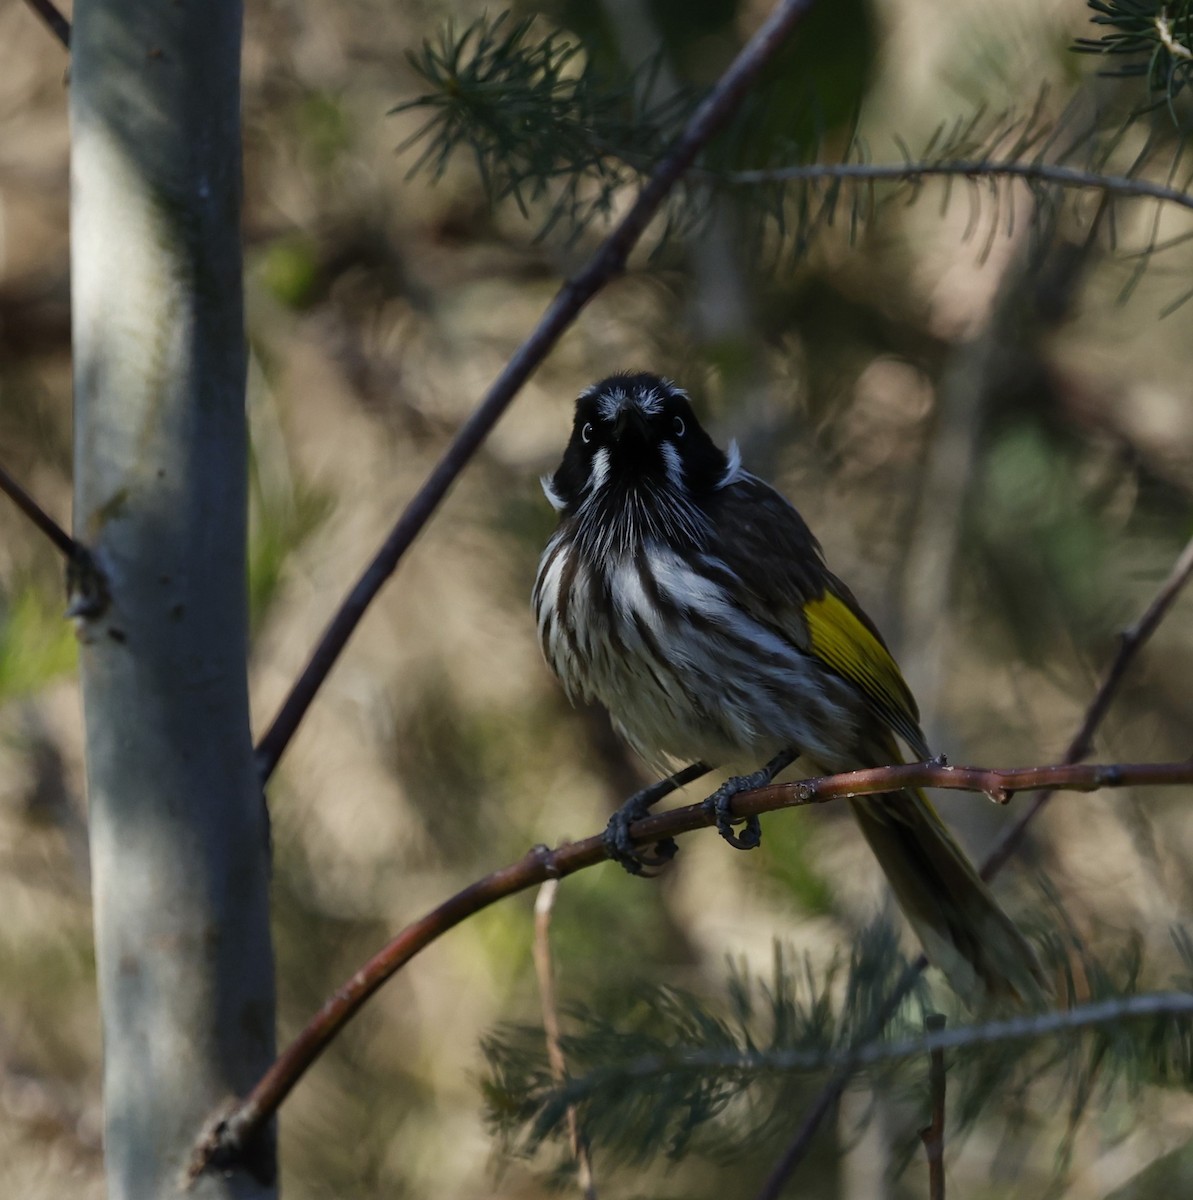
column 179, row 835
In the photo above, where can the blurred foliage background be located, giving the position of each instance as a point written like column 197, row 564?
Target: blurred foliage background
column 992, row 436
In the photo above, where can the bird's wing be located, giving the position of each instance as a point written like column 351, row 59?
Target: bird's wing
column 783, row 582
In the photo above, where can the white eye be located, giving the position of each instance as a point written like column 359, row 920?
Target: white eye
column 679, row 427
column 586, row 433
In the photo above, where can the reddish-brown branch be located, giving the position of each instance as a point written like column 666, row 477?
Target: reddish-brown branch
column 997, row 785
column 232, row 1130
column 608, row 262
column 59, row 25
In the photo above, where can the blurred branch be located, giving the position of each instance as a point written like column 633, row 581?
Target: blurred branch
column 1035, row 172
column 964, row 396
column 59, row 25
column 757, row 1060
column 1015, row 1029
column 932, row 1135
column 1131, row 641
column 544, row 968
column 234, row 1128
column 608, row 261
column 62, row 540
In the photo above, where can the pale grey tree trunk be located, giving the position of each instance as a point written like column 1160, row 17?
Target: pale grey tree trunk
column 179, row 838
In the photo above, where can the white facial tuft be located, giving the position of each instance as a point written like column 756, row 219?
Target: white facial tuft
column 599, row 475
column 557, row 502
column 733, row 471
column 649, row 400
column 611, row 403
column 673, row 465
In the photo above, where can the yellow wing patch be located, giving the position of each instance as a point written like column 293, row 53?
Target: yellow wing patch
column 844, row 642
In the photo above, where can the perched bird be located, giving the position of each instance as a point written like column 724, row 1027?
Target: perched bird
column 692, row 601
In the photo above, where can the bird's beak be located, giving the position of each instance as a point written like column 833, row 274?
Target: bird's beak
column 629, row 418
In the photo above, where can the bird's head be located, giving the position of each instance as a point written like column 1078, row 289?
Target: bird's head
column 636, row 435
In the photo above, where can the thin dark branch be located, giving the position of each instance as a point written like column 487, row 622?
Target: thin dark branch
column 38, row 515
column 608, row 262
column 233, row 1129
column 932, row 1135
column 59, row 25
column 1118, row 185
column 1131, row 642
column 1037, row 1025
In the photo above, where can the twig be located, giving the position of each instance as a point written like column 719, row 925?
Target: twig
column 1164, row 30
column 59, row 25
column 38, row 515
column 967, row 168
column 932, row 1135
column 86, row 584
column 755, row 1060
column 1029, row 1028
column 608, row 261
column 1130, row 641
column 543, row 906
column 1133, row 638
column 234, row 1128
column 998, row 784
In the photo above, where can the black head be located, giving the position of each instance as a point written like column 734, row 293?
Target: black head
column 638, row 433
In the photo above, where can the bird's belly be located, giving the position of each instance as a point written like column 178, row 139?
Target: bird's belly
column 684, row 672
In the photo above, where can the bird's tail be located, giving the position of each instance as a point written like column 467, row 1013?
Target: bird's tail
column 963, row 929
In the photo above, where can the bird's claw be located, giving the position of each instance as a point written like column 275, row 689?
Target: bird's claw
column 621, row 849
column 720, row 803
column 620, row 846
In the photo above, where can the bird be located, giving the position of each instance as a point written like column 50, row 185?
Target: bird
column 690, row 599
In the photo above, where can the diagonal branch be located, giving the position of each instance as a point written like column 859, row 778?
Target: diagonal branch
column 1132, row 640
column 86, row 584
column 608, row 262
column 49, row 13
column 234, row 1128
column 62, row 540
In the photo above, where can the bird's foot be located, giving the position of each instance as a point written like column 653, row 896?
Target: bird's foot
column 720, row 803
column 618, row 843
column 621, row 848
